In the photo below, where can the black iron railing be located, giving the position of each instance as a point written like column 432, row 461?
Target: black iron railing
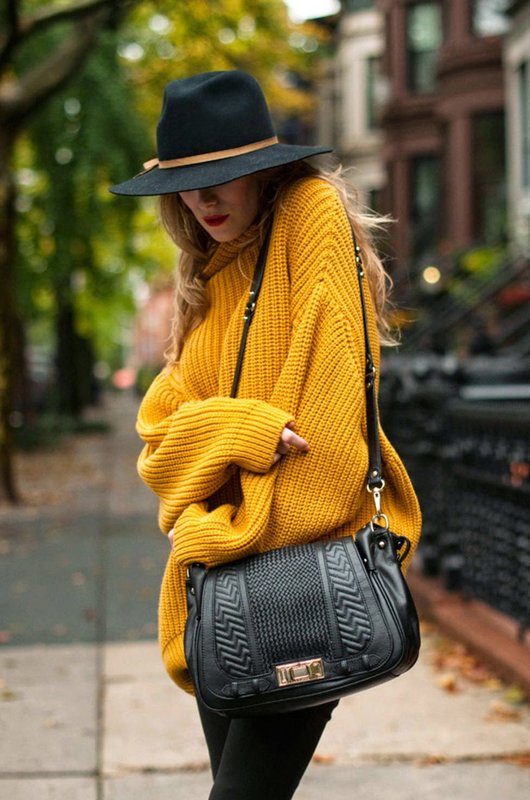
column 469, row 460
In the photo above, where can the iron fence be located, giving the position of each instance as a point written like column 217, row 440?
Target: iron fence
column 469, row 460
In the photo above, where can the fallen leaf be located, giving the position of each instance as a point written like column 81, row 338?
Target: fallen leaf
column 192, row 766
column 323, row 758
column 426, row 628
column 448, row 682
column 514, row 695
column 475, row 672
column 453, row 658
column 430, row 761
column 501, row 712
column 493, row 684
column 519, row 760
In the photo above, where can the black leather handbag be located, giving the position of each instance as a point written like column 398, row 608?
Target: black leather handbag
column 305, row 624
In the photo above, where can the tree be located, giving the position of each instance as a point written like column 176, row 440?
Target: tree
column 73, row 238
column 79, row 140
column 23, row 91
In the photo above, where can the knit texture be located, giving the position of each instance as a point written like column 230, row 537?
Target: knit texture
column 209, row 457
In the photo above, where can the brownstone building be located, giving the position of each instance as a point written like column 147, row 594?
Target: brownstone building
column 444, row 138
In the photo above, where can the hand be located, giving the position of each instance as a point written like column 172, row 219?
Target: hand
column 170, row 536
column 288, row 439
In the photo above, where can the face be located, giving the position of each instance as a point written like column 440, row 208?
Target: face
column 225, row 211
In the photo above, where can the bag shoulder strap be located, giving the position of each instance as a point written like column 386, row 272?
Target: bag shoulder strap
column 375, row 482
column 250, row 307
column 375, row 466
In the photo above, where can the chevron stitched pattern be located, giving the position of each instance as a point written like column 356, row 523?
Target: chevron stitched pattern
column 353, row 620
column 275, row 624
column 233, row 652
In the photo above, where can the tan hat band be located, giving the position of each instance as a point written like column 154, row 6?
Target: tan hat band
column 215, row 156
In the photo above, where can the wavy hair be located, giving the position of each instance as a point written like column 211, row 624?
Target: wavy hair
column 196, row 248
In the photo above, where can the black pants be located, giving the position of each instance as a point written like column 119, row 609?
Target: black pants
column 262, row 758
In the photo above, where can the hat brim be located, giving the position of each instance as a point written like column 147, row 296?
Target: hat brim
column 158, row 181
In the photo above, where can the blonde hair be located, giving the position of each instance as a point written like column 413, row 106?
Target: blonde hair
column 196, row 248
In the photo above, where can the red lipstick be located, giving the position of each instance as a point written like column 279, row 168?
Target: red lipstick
column 215, row 219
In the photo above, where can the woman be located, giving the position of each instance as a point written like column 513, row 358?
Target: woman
column 286, row 461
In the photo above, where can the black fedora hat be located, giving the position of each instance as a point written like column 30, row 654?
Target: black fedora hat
column 214, row 127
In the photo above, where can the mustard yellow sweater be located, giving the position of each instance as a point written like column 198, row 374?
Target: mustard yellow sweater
column 209, row 457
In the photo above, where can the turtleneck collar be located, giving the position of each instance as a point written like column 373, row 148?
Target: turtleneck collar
column 226, row 252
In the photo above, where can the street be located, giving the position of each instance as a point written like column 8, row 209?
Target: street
column 88, row 713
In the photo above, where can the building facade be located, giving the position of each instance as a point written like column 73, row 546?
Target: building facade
column 444, row 127
column 428, row 101
column 517, row 75
column 359, row 57
column 349, row 96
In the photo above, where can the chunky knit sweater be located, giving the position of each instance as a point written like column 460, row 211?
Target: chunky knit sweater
column 209, row 457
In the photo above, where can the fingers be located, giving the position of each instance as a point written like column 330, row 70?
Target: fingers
column 170, row 537
column 289, row 438
column 281, row 450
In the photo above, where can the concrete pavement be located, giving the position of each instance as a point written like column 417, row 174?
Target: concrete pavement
column 87, row 712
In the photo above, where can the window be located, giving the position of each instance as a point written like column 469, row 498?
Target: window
column 524, row 111
column 424, row 37
column 374, row 200
column 358, row 5
column 489, row 181
column 372, row 78
column 489, row 17
column 424, row 205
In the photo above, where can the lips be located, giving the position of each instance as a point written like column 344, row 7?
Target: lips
column 215, row 220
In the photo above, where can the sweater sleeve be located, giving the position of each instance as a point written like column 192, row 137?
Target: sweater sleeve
column 190, row 447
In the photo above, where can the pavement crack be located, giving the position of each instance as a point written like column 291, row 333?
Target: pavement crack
column 520, row 757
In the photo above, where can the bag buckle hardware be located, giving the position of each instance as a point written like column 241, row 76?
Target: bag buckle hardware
column 250, row 306
column 379, row 517
column 371, row 372
column 300, row 672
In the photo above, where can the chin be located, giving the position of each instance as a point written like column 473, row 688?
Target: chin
column 224, row 236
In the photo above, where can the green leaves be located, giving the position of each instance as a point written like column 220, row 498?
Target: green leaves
column 78, row 244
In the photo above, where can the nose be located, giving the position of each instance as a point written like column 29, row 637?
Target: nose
column 207, row 197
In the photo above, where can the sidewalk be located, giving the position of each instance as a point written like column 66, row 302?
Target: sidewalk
column 87, row 712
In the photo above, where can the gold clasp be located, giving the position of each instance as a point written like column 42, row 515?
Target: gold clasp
column 376, row 492
column 379, row 519
column 378, row 516
column 300, row 672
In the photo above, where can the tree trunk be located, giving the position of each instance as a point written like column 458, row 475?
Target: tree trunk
column 74, row 365
column 20, row 97
column 7, row 313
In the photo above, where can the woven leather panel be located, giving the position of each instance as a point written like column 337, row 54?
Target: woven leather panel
column 353, row 620
column 289, row 623
column 233, row 652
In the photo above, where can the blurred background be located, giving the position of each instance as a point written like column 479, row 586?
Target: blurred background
column 427, row 102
